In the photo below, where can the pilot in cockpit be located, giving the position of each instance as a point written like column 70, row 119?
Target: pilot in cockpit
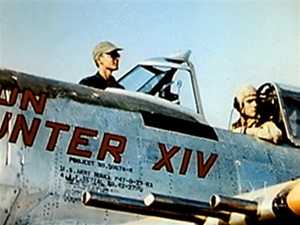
column 250, row 122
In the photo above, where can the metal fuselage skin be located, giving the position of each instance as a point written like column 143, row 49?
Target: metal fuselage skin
column 60, row 140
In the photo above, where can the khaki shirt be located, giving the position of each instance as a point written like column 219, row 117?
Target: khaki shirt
column 267, row 131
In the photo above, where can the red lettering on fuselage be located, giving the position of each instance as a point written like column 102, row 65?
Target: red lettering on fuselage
column 38, row 105
column 112, row 144
column 166, row 157
column 115, row 150
column 28, row 134
column 185, row 161
column 77, row 139
column 38, row 102
column 203, row 167
column 56, row 128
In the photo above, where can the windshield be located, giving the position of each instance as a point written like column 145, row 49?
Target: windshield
column 142, row 78
column 289, row 98
column 166, row 82
column 292, row 109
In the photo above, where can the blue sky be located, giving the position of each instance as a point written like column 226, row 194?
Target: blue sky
column 232, row 42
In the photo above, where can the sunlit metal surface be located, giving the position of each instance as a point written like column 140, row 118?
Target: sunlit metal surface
column 60, row 140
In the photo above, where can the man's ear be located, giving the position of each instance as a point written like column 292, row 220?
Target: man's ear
column 242, row 109
column 98, row 60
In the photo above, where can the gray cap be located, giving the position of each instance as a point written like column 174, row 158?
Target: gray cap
column 104, row 47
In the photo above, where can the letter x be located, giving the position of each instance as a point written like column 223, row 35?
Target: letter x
column 166, row 157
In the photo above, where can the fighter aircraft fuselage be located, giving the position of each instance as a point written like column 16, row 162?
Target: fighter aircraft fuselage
column 62, row 142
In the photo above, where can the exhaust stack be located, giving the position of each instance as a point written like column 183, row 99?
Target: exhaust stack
column 281, row 205
column 229, row 204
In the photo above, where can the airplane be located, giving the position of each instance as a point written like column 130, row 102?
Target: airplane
column 71, row 154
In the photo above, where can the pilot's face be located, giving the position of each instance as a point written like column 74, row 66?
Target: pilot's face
column 250, row 106
column 109, row 60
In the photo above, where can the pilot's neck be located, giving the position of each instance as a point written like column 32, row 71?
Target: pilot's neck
column 105, row 73
column 248, row 121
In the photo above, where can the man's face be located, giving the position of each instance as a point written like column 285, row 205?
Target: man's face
column 109, row 60
column 250, row 106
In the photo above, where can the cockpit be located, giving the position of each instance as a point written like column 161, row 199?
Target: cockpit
column 172, row 78
column 281, row 104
